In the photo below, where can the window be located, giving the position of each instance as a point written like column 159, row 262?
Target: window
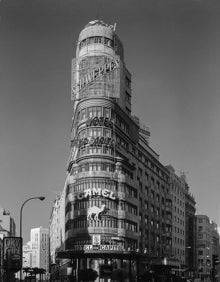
column 128, row 97
column 128, row 82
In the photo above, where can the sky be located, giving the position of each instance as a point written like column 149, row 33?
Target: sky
column 172, row 51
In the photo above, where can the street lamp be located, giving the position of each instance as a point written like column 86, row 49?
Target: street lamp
column 32, row 198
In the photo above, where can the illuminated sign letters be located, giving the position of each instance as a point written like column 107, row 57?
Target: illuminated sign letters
column 117, row 248
column 96, row 192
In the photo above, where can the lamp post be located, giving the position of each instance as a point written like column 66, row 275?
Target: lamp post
column 32, row 198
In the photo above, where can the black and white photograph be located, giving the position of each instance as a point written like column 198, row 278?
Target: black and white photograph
column 109, row 140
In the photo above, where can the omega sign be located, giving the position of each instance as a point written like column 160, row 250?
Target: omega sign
column 98, row 72
column 96, row 192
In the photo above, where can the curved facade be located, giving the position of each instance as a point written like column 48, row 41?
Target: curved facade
column 101, row 197
column 117, row 205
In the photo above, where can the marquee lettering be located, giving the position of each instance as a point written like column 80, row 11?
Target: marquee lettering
column 99, row 247
column 96, row 192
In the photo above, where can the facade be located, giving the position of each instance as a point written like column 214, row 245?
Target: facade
column 178, row 216
column 1, row 259
column 204, row 245
column 57, row 226
column 7, row 223
column 190, row 232
column 215, row 248
column 40, row 248
column 27, row 255
column 118, row 206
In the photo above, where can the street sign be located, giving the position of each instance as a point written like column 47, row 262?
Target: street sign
column 12, row 253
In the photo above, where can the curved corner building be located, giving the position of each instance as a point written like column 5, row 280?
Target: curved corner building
column 103, row 200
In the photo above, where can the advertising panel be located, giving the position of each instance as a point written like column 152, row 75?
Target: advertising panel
column 96, row 75
column 12, row 253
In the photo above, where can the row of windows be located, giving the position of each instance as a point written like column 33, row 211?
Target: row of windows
column 203, row 236
column 106, row 222
column 143, row 158
column 178, row 191
column 128, row 190
column 121, row 142
column 179, row 230
column 179, row 220
column 178, row 201
column 179, row 211
column 177, row 251
column 94, row 167
column 96, row 40
column 128, row 207
column 89, row 183
column 112, row 205
column 94, row 132
column 179, row 241
column 93, row 150
column 156, row 184
column 95, row 111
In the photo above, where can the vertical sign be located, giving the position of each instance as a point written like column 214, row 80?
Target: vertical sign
column 96, row 240
column 12, row 253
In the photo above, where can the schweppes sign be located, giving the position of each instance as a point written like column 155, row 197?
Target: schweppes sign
column 98, row 72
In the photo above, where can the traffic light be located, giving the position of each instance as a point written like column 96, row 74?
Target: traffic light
column 215, row 260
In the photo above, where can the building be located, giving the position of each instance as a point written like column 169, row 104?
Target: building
column 40, row 248
column 27, row 255
column 118, row 205
column 190, row 233
column 215, row 249
column 204, row 245
column 57, row 226
column 1, row 259
column 7, row 223
column 178, row 216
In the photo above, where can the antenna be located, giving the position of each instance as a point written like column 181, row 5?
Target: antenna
column 99, row 8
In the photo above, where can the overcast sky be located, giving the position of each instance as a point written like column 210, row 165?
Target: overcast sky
column 172, row 51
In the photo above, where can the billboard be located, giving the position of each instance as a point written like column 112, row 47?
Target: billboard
column 96, row 76
column 12, row 253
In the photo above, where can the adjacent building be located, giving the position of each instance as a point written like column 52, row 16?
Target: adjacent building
column 204, row 245
column 178, row 216
column 7, row 223
column 40, row 248
column 190, row 233
column 27, row 255
column 57, row 226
